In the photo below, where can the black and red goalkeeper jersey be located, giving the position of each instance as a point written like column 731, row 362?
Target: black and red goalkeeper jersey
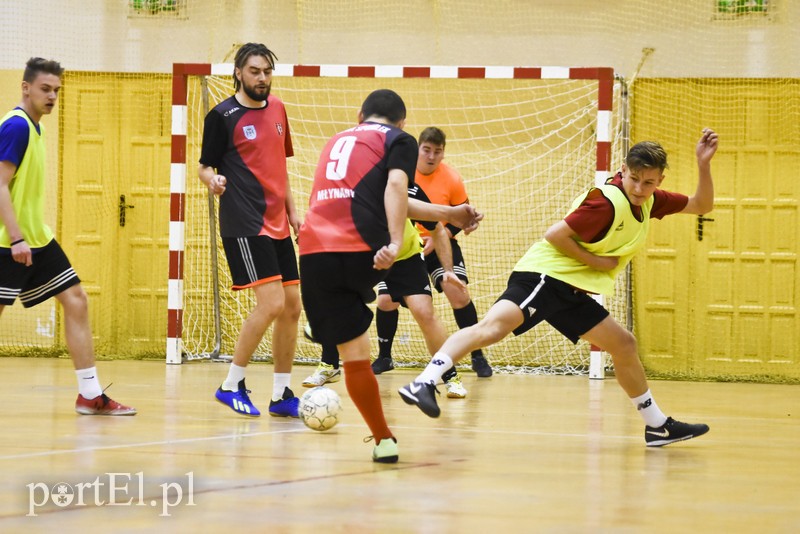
column 249, row 147
column 346, row 211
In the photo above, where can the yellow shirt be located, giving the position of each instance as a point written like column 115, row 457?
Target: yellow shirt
column 27, row 190
column 626, row 236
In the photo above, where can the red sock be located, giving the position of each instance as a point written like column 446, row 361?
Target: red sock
column 362, row 386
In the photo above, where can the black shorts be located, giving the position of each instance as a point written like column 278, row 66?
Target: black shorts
column 406, row 277
column 49, row 275
column 336, row 289
column 437, row 272
column 259, row 259
column 543, row 298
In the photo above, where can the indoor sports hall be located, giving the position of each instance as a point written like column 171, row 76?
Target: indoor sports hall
column 540, row 100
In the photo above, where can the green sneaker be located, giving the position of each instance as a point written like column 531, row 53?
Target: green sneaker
column 385, row 452
column 455, row 389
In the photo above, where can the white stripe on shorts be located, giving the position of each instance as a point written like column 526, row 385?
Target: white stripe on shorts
column 55, row 283
column 9, row 293
column 533, row 293
column 247, row 257
column 457, row 270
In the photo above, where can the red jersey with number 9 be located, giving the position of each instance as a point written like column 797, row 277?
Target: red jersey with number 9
column 346, row 210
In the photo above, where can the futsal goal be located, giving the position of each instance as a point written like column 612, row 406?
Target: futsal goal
column 526, row 140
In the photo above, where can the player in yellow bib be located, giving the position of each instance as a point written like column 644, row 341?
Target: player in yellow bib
column 33, row 267
column 580, row 255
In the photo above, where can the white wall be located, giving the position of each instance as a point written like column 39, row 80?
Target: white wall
column 100, row 34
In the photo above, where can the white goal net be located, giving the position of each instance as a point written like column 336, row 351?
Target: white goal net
column 526, row 142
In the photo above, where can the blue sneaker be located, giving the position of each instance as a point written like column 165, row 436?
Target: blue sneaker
column 238, row 401
column 288, row 406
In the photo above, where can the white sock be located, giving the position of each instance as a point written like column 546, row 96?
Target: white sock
column 280, row 381
column 235, row 375
column 649, row 410
column 88, row 383
column 433, row 372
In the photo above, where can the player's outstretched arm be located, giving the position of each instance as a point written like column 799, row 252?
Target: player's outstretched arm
column 703, row 199
column 464, row 216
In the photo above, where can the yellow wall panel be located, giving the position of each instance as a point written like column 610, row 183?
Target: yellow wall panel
column 742, row 279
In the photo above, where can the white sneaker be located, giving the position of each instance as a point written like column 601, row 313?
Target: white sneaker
column 455, row 389
column 324, row 374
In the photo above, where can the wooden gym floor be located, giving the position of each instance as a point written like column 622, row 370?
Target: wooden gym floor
column 519, row 454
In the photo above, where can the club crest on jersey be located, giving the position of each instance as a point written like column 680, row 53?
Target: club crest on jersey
column 249, row 131
column 279, row 127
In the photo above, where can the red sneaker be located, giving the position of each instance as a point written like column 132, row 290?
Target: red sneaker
column 102, row 405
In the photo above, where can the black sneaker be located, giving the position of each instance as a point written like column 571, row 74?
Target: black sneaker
column 481, row 366
column 449, row 375
column 381, row 365
column 672, row 431
column 423, row 395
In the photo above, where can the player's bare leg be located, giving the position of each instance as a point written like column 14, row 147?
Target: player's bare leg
column 78, row 334
column 660, row 430
column 466, row 316
column 435, row 334
column 284, row 342
column 269, row 304
column 503, row 317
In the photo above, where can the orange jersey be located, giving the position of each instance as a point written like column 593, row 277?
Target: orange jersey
column 442, row 186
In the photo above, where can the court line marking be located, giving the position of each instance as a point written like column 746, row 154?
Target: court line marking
column 296, row 430
column 146, row 444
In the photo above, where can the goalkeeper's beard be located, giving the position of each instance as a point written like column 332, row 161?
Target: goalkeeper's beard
column 255, row 94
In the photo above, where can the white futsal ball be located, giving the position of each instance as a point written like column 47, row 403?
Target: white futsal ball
column 320, row 408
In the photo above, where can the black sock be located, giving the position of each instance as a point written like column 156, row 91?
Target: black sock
column 450, row 373
column 386, row 323
column 330, row 355
column 467, row 316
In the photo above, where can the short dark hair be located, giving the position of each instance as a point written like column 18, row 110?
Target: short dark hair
column 384, row 103
column 647, row 155
column 37, row 65
column 244, row 53
column 433, row 135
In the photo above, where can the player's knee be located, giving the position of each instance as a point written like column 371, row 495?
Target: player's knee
column 458, row 299
column 490, row 332
column 291, row 310
column 424, row 315
column 74, row 299
column 626, row 347
column 267, row 311
column 385, row 303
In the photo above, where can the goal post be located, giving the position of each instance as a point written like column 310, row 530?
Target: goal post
column 526, row 140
